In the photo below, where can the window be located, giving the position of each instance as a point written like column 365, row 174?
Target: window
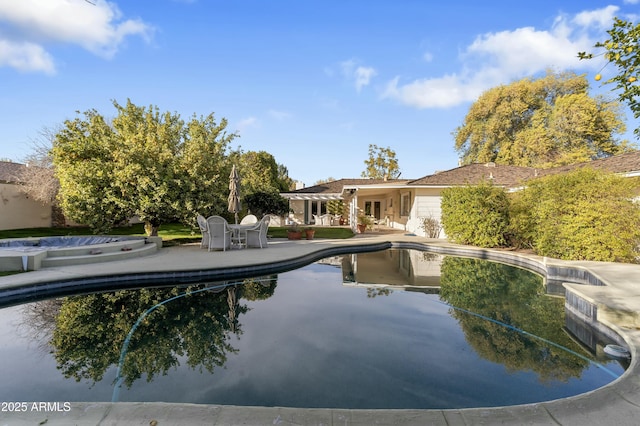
column 372, row 208
column 405, row 203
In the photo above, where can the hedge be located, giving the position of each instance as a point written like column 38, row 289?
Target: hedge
column 476, row 215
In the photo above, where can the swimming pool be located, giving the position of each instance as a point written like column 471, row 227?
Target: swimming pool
column 391, row 329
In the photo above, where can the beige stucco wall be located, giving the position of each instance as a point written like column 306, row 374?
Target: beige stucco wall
column 426, row 203
column 18, row 211
column 298, row 211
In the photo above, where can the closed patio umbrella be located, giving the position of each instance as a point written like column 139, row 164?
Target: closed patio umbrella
column 234, row 193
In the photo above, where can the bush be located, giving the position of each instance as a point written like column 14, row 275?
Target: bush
column 476, row 215
column 263, row 203
column 581, row 215
column 431, row 226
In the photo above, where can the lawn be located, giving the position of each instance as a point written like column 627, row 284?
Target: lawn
column 171, row 233
column 332, row 232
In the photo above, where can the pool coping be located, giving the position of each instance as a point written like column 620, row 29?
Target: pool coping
column 611, row 288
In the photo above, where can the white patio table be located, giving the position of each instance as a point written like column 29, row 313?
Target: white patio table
column 239, row 236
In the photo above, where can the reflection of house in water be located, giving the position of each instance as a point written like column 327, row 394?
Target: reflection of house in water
column 396, row 269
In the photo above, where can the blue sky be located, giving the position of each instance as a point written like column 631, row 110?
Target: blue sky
column 312, row 82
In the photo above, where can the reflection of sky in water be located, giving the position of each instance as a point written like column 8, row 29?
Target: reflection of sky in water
column 314, row 343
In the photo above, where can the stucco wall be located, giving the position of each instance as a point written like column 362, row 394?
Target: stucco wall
column 426, row 203
column 19, row 211
column 298, row 211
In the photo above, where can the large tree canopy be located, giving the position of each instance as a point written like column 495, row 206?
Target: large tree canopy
column 381, row 163
column 259, row 172
column 544, row 122
column 622, row 50
column 145, row 163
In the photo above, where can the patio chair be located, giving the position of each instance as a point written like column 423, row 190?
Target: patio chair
column 325, row 220
column 316, row 220
column 375, row 223
column 219, row 233
column 204, row 230
column 257, row 236
column 249, row 219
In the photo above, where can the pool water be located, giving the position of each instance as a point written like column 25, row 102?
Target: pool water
column 391, row 329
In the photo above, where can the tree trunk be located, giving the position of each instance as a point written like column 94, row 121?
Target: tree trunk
column 58, row 219
column 151, row 228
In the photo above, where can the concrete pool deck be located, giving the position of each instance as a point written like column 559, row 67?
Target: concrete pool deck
column 617, row 301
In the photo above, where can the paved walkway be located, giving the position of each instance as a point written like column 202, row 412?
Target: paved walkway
column 618, row 306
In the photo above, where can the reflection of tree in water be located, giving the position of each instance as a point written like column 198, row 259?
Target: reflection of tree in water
column 373, row 292
column 39, row 321
column 517, row 298
column 90, row 330
column 259, row 288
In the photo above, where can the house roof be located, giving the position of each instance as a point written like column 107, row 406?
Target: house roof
column 336, row 186
column 498, row 174
column 621, row 163
column 475, row 173
column 10, row 172
column 511, row 176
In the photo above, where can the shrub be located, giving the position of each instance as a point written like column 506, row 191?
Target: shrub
column 263, row 203
column 335, row 207
column 476, row 215
column 582, row 215
column 431, row 226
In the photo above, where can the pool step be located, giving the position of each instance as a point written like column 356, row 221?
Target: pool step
column 99, row 253
column 95, row 249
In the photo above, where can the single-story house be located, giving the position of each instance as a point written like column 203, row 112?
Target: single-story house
column 403, row 204
column 17, row 209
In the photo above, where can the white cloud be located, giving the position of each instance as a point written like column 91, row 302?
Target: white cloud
column 601, row 18
column 98, row 28
column 442, row 92
column 363, row 76
column 500, row 57
column 246, row 123
column 631, row 1
column 25, row 56
column 360, row 75
column 279, row 115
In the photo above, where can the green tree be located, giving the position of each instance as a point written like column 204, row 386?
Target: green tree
column 285, row 182
column 82, row 156
column 145, row 163
column 476, row 215
column 622, row 50
column 324, row 180
column 145, row 174
column 258, row 170
column 546, row 122
column 203, row 167
column 381, row 163
column 582, row 215
column 263, row 203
